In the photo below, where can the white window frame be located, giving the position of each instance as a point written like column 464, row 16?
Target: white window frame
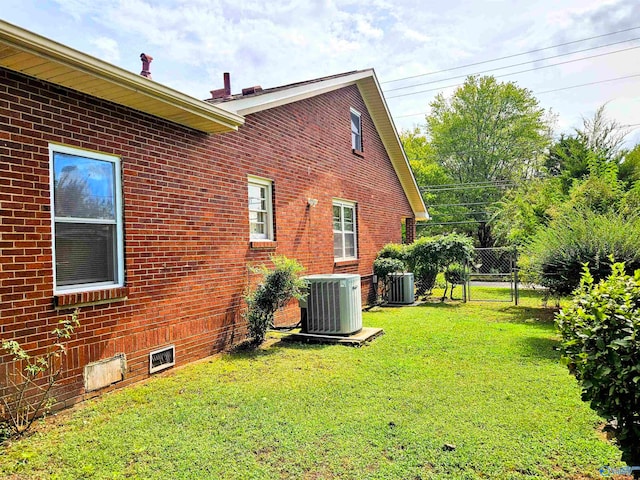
column 355, row 145
column 118, row 221
column 346, row 204
column 267, row 185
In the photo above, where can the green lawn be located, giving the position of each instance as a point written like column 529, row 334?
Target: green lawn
column 484, row 377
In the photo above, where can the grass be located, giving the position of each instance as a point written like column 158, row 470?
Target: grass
column 484, row 377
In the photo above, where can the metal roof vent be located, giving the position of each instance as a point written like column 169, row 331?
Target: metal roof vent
column 161, row 359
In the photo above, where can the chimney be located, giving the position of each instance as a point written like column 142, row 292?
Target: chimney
column 251, row 90
column 146, row 61
column 223, row 92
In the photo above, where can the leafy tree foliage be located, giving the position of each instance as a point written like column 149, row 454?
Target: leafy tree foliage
column 487, row 132
column 629, row 168
column 600, row 345
column 429, row 173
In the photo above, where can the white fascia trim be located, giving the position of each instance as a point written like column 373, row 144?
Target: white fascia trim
column 265, row 101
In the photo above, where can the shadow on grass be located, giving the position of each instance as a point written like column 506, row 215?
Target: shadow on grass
column 542, row 348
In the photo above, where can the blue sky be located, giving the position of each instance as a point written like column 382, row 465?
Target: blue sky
column 194, row 42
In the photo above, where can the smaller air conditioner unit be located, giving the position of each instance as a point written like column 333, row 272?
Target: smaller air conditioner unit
column 401, row 288
column 333, row 305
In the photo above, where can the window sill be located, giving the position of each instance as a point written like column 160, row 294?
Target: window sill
column 68, row 301
column 346, row 263
column 358, row 153
column 263, row 245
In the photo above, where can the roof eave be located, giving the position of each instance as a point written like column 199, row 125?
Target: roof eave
column 42, row 58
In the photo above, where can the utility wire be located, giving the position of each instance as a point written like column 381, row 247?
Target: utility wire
column 587, row 84
column 433, row 224
column 521, row 71
column 556, row 90
column 511, row 56
column 436, row 205
column 512, row 65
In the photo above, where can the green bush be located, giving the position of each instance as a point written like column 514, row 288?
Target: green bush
column 429, row 255
column 396, row 251
column 601, row 344
column 279, row 286
column 559, row 251
column 383, row 267
column 455, row 274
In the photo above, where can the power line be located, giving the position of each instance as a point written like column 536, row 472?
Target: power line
column 556, row 90
column 457, row 184
column 510, row 56
column 433, row 224
column 512, row 65
column 521, row 71
column 436, row 205
column 587, row 84
column 437, row 190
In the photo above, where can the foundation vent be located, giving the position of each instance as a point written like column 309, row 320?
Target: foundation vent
column 161, row 359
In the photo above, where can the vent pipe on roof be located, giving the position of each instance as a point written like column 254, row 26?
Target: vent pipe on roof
column 223, row 92
column 146, row 62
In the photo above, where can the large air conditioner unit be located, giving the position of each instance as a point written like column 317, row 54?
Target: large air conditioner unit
column 401, row 288
column 333, row 306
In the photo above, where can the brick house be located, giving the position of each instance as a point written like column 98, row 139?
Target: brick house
column 144, row 207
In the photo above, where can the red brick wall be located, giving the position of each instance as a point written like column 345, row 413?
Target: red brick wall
column 187, row 242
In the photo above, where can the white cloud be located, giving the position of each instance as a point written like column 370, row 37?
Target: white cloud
column 283, row 41
column 107, row 48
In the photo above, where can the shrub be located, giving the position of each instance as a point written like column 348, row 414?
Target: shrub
column 382, row 268
column 396, row 251
column 454, row 274
column 279, row 286
column 28, row 392
column 600, row 343
column 582, row 236
column 428, row 255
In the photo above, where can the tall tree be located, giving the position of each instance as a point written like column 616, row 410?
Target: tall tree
column 429, row 175
column 488, row 132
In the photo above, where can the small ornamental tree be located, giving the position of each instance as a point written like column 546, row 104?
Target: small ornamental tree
column 601, row 345
column 454, row 274
column 279, row 286
column 28, row 389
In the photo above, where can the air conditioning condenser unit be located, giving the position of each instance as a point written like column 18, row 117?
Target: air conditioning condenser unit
column 333, row 305
column 401, row 288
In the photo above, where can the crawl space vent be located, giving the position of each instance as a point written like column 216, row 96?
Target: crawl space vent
column 161, row 359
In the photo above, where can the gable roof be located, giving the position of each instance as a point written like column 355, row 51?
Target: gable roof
column 42, row 58
column 370, row 90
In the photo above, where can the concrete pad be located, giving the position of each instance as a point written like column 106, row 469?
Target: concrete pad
column 355, row 339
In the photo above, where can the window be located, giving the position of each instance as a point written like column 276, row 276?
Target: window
column 260, row 209
column 86, row 220
column 356, row 130
column 344, row 230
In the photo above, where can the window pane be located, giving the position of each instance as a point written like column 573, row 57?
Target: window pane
column 257, row 196
column 355, row 123
column 348, row 214
column 258, row 229
column 84, row 187
column 85, row 253
column 350, row 245
column 337, row 217
column 337, row 245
